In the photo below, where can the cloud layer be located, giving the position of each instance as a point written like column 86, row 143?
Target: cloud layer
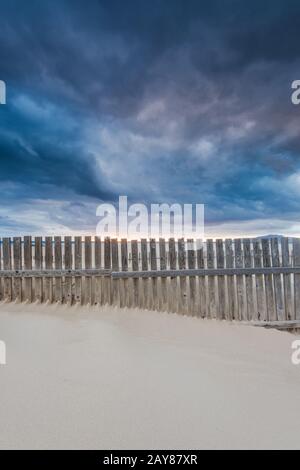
column 162, row 101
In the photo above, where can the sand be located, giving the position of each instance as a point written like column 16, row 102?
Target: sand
column 118, row 379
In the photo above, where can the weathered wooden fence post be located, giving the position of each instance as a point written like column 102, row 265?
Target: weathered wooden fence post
column 271, row 315
column 49, row 267
column 173, row 294
column 58, row 266
column 163, row 283
column 153, row 267
column 261, row 313
column 115, row 267
column 28, row 266
column 7, row 266
column 182, row 305
column 124, row 294
column 192, row 279
column 135, row 267
column 107, row 265
column 232, row 305
column 88, row 265
column 222, row 307
column 68, row 295
column 211, row 280
column 78, row 265
column 248, row 279
column 277, row 280
column 202, row 309
column 242, row 309
column 98, row 279
column 287, row 281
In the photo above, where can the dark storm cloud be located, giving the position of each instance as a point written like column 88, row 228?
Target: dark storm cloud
column 140, row 98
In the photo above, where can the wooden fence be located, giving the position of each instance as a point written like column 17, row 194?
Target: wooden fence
column 241, row 279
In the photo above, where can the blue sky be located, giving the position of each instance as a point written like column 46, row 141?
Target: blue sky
column 163, row 101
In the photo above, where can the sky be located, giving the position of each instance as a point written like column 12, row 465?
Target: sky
column 162, row 101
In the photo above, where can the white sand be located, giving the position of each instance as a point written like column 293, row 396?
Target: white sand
column 128, row 379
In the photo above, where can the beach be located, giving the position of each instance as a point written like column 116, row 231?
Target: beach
column 106, row 378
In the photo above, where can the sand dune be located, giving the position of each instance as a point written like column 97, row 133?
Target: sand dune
column 90, row 378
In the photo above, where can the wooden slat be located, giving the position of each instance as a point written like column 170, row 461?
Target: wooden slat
column 17, row 283
column 28, row 265
column 201, row 304
column 163, row 281
column 78, row 265
column 7, row 266
column 68, row 295
column 124, row 294
column 279, row 301
column 177, row 272
column 88, row 265
column 211, row 280
column 222, row 306
column 49, row 265
column 135, row 267
column 248, row 279
column 287, row 280
column 153, row 266
column 270, row 297
column 145, row 291
column 58, row 265
column 242, row 309
column 115, row 267
column 296, row 262
column 173, row 294
column 107, row 265
column 261, row 311
column 61, row 273
column 191, row 258
column 182, row 304
column 98, row 279
column 1, row 267
column 232, row 304
column 38, row 264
